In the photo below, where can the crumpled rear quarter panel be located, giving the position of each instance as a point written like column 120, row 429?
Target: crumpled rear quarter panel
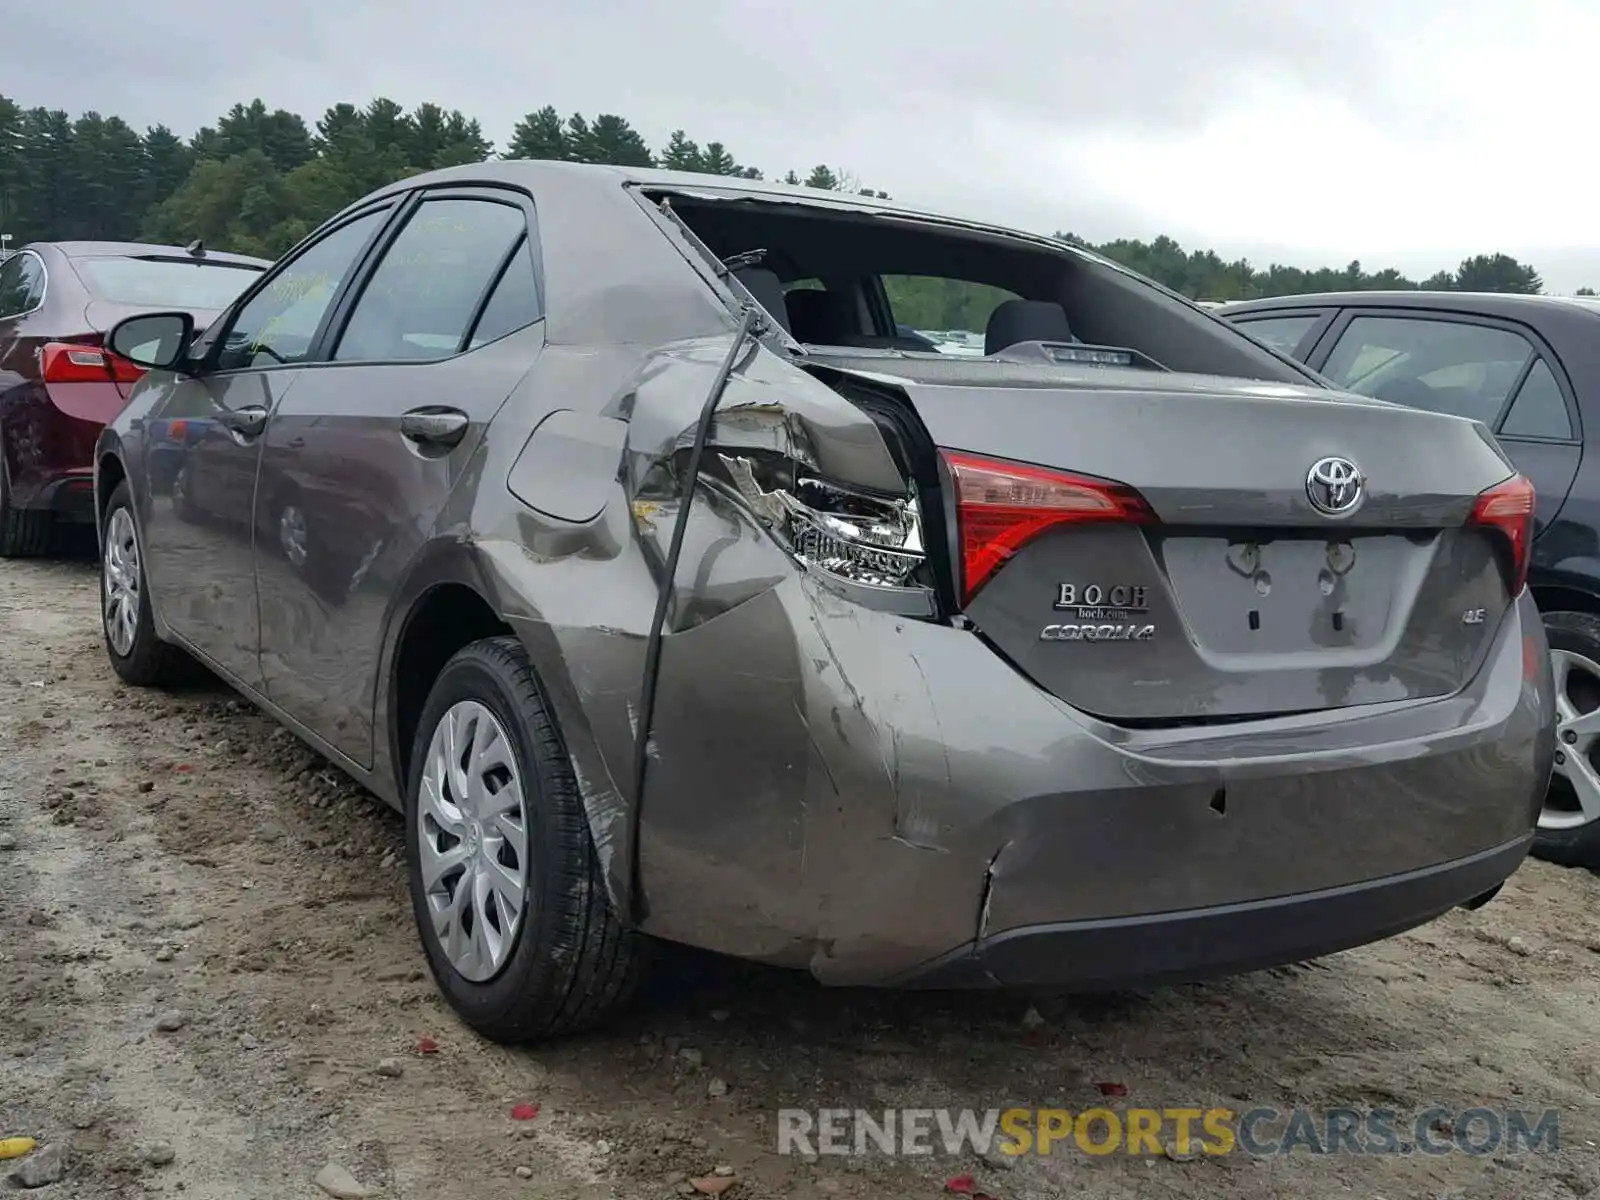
column 861, row 793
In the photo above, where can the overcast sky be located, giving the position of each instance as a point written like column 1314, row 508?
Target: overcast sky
column 1400, row 132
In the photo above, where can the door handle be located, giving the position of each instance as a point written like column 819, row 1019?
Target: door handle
column 248, row 421
column 434, row 426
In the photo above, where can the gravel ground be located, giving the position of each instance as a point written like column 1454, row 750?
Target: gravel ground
column 208, row 956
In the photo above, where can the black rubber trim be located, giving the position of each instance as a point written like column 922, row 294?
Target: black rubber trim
column 749, row 320
column 1123, row 952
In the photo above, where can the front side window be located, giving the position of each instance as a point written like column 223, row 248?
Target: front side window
column 1283, row 334
column 1444, row 366
column 425, row 294
column 278, row 324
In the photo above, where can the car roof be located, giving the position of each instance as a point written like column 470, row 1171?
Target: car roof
column 542, row 174
column 553, row 172
column 1498, row 304
column 144, row 250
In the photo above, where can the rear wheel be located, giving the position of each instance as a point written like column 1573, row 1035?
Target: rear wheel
column 505, row 883
column 24, row 533
column 137, row 654
column 1569, row 824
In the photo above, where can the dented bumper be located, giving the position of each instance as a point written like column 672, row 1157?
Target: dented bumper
column 1223, row 939
column 884, row 800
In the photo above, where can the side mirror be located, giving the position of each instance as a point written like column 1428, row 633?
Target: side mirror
column 157, row 340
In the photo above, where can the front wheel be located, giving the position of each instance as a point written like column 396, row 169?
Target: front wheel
column 137, row 654
column 505, row 883
column 1569, row 823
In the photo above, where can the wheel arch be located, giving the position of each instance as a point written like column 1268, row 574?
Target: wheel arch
column 1564, row 597
column 451, row 598
column 109, row 470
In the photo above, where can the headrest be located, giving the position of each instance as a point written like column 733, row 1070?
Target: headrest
column 768, row 291
column 819, row 316
column 1016, row 321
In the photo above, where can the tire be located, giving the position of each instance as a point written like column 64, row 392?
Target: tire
column 1564, row 836
column 24, row 532
column 569, row 963
column 146, row 660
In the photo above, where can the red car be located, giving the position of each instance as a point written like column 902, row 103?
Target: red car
column 58, row 386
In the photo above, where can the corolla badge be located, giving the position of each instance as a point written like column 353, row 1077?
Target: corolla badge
column 1335, row 486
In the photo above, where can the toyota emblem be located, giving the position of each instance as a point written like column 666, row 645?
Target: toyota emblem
column 1334, row 486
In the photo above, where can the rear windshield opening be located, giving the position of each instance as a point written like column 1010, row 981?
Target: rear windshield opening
column 164, row 282
column 891, row 283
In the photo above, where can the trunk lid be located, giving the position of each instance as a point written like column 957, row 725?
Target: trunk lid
column 1235, row 596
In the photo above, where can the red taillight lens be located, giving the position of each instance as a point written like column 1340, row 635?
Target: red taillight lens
column 1001, row 506
column 1507, row 508
column 63, row 362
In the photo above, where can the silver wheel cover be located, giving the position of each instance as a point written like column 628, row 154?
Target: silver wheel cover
column 1578, row 726
column 119, row 572
column 472, row 840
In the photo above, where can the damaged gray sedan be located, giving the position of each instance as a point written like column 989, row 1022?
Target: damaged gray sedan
column 621, row 528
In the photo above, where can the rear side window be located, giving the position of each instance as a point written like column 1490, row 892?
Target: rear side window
column 164, row 282
column 426, row 293
column 21, row 284
column 1454, row 367
column 1283, row 334
column 1539, row 411
column 514, row 303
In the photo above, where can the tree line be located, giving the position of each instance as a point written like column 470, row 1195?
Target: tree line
column 1204, row 275
column 259, row 179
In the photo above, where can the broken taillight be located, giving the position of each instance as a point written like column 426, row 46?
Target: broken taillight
column 864, row 539
column 1507, row 508
column 66, row 362
column 1001, row 506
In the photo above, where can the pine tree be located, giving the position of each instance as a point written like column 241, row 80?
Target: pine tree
column 463, row 142
column 717, row 161
column 822, row 177
column 580, row 140
column 681, row 154
column 613, row 140
column 541, row 134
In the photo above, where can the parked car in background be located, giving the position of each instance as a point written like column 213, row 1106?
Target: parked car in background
column 1117, row 653
column 58, row 383
column 1528, row 367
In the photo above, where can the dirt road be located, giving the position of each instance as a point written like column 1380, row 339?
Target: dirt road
column 206, row 954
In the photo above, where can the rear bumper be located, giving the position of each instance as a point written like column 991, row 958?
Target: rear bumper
column 1222, row 940
column 69, row 494
column 886, row 801
column 50, row 452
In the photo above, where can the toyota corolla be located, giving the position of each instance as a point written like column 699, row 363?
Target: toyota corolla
column 606, row 523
